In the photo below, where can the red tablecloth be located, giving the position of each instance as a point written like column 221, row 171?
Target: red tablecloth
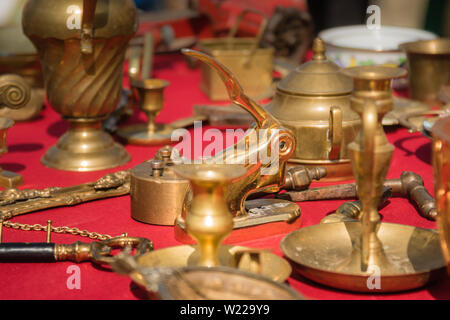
column 28, row 141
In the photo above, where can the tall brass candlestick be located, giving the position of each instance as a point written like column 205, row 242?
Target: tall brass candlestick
column 82, row 44
column 367, row 255
column 208, row 219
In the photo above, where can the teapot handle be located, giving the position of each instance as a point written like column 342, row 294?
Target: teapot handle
column 335, row 132
column 87, row 26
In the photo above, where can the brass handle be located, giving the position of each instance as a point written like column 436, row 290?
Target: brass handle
column 235, row 28
column 335, row 132
column 370, row 217
column 236, row 93
column 87, row 26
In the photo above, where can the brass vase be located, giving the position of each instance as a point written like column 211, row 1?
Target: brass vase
column 82, row 44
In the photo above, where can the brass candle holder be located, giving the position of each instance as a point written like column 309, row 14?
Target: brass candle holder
column 209, row 221
column 149, row 94
column 441, row 164
column 368, row 256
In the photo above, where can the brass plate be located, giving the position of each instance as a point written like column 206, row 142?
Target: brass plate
column 272, row 266
column 318, row 251
column 221, row 283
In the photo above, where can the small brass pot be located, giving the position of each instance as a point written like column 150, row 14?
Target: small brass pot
column 314, row 102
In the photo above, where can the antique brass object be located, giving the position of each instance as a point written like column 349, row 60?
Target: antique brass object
column 149, row 94
column 424, row 121
column 429, row 68
column 269, row 265
column 314, row 102
column 208, row 219
column 262, row 176
column 218, row 283
column 82, row 46
column 346, row 255
column 14, row 202
column 409, row 185
column 441, row 164
column 14, row 94
column 250, row 63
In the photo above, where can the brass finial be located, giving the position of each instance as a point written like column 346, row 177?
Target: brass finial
column 319, row 49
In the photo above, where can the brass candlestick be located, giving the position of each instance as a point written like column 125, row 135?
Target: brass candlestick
column 368, row 256
column 441, row 164
column 209, row 221
column 82, row 44
column 149, row 94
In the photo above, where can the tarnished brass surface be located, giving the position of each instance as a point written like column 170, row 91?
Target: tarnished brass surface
column 243, row 56
column 314, row 102
column 346, row 255
column 82, row 46
column 220, row 283
column 423, row 121
column 271, row 265
column 441, row 164
column 14, row 202
column 8, row 179
column 429, row 68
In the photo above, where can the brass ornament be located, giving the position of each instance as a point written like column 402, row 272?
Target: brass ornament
column 82, row 60
column 15, row 93
column 313, row 101
column 441, row 165
column 355, row 255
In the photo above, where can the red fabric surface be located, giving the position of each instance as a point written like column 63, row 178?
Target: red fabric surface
column 28, row 141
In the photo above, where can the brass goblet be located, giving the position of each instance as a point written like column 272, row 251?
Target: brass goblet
column 367, row 255
column 149, row 94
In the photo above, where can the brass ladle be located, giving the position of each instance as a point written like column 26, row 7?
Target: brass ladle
column 209, row 221
column 367, row 255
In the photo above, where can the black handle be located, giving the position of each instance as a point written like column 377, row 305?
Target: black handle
column 27, row 252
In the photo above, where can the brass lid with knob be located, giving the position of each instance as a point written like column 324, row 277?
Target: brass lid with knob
column 317, row 77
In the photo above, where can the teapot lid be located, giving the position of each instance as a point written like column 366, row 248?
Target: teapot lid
column 319, row 76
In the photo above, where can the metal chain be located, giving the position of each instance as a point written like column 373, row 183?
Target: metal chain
column 67, row 230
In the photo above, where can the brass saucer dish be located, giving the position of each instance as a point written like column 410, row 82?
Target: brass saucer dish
column 271, row 265
column 415, row 251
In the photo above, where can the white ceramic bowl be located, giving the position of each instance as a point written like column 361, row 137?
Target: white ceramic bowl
column 358, row 45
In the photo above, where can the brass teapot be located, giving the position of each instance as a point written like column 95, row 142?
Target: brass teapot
column 81, row 45
column 313, row 101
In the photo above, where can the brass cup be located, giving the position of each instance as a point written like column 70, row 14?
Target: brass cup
column 149, row 94
column 209, row 219
column 429, row 68
column 441, row 164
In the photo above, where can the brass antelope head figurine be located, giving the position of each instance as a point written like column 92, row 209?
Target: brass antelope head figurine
column 278, row 142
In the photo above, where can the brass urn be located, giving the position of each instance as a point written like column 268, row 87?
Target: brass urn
column 82, row 44
column 314, row 102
